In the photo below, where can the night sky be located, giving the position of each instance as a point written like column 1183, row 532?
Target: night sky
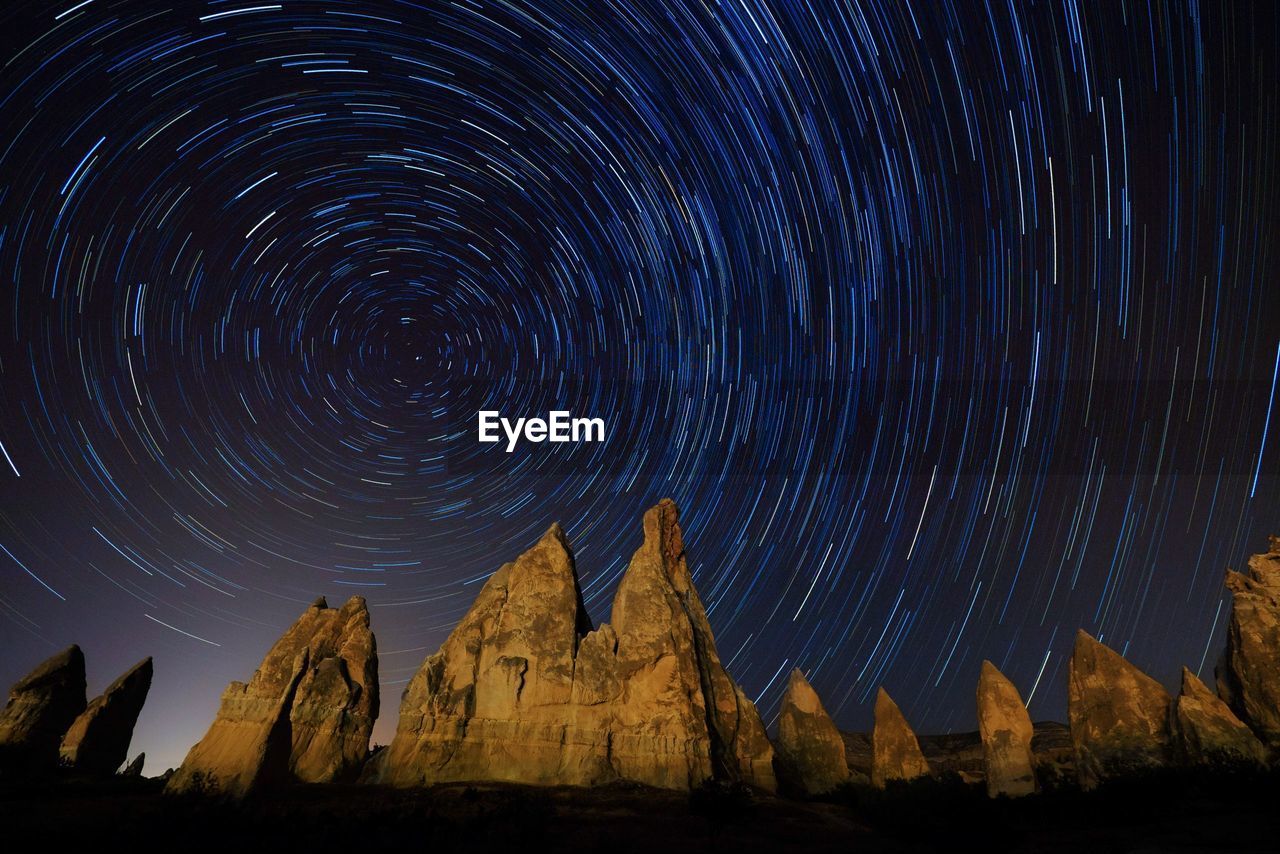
column 951, row 327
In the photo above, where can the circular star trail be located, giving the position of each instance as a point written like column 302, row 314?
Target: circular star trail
column 951, row 329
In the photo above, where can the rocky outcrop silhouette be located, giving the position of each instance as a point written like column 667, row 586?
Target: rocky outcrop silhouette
column 810, row 754
column 1208, row 731
column 1248, row 674
column 41, row 706
column 98, row 740
column 895, row 752
column 1006, row 733
column 306, row 714
column 1120, row 716
column 134, row 768
column 524, row 690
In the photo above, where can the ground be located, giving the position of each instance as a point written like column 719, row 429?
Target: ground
column 1176, row 811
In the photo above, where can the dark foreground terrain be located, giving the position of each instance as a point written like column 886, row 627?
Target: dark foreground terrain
column 1177, row 811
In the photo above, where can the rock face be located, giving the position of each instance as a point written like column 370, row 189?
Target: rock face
column 524, row 690
column 895, row 753
column 1208, row 731
column 1249, row 671
column 306, row 714
column 810, row 749
column 41, row 707
column 1120, row 717
column 1006, row 733
column 98, row 740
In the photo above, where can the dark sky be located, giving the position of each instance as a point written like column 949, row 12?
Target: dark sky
column 951, row 327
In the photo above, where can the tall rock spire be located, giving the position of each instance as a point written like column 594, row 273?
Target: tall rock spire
column 523, row 690
column 895, row 752
column 1005, row 728
column 306, row 714
column 1120, row 716
column 98, row 740
column 1208, row 732
column 811, row 755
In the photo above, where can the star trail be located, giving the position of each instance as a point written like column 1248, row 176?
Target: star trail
column 951, row 327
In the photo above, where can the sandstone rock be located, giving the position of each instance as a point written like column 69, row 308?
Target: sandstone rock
column 523, row 690
column 1249, row 672
column 41, row 707
column 1208, row 731
column 134, row 768
column 1006, row 733
column 662, row 628
column 306, row 715
column 895, row 752
column 98, row 740
column 810, row 749
column 1119, row 715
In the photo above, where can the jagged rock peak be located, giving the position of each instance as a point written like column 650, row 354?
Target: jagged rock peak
column 1006, row 732
column 305, row 715
column 41, row 706
column 98, row 740
column 1248, row 673
column 1208, row 731
column 524, row 690
column 811, row 756
column 895, row 751
column 1120, row 716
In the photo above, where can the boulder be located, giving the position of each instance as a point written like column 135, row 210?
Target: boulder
column 524, row 690
column 1120, row 717
column 98, row 740
column 1248, row 673
column 810, row 750
column 1208, row 731
column 895, row 752
column 1006, row 733
column 41, row 707
column 306, row 714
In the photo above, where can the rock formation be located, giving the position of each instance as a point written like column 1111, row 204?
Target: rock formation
column 41, row 706
column 134, row 768
column 895, row 752
column 1249, row 671
column 1208, row 731
column 523, row 690
column 98, row 740
column 810, row 750
column 306, row 714
column 1120, row 717
column 1006, row 733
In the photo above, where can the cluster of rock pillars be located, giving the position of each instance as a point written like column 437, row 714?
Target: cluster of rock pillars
column 525, row 690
